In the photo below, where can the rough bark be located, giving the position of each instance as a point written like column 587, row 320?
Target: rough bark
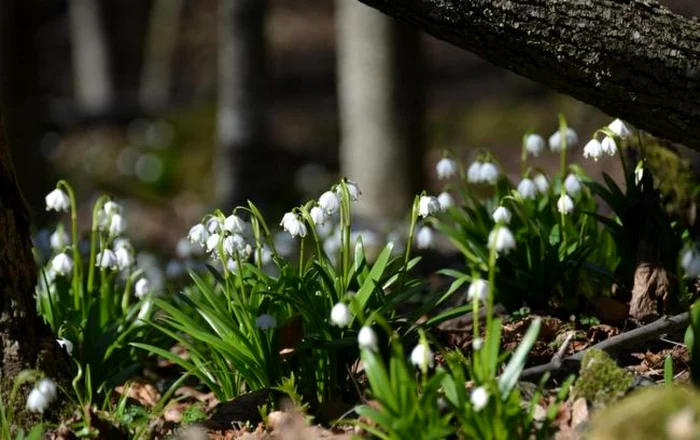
column 631, row 58
column 241, row 121
column 380, row 98
column 91, row 72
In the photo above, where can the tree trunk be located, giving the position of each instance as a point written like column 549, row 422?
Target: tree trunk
column 241, row 101
column 92, row 77
column 160, row 49
column 631, row 58
column 381, row 103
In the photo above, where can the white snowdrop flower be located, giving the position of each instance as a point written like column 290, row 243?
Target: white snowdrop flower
column 288, row 217
column 294, row 226
column 57, row 200
column 542, row 183
column 489, row 173
column 502, row 215
column 340, row 315
column 446, row 201
column 353, row 190
column 572, row 185
column 593, row 150
column 183, row 248
column 102, row 221
column 367, row 339
column 501, row 240
column 527, row 189
column 446, row 168
column 474, row 172
column 479, row 398
column 690, row 262
column 477, row 343
column 106, row 260
column 422, row 356
column 235, row 225
column 198, row 234
column 425, row 237
column 117, row 225
column 265, row 322
column 609, row 146
column 125, row 258
column 478, row 288
column 213, row 225
column 111, row 207
column 62, row 264
column 59, row 239
column 47, row 387
column 619, row 128
column 213, row 243
column 428, row 205
column 638, row 175
column 65, row 343
column 555, row 141
column 142, row 287
column 317, row 215
column 232, row 266
column 534, row 144
column 234, row 245
column 565, row 204
column 329, row 202
column 37, row 402
column 121, row 242
column 264, row 256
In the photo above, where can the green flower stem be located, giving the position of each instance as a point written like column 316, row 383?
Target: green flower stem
column 93, row 243
column 77, row 265
column 411, row 234
column 562, row 134
column 475, row 314
column 492, row 279
column 126, row 296
column 301, row 257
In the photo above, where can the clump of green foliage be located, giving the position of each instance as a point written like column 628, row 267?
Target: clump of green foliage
column 601, row 381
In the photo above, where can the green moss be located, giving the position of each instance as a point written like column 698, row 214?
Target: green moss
column 649, row 413
column 601, row 381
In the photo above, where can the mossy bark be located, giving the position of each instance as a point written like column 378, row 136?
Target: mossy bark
column 633, row 59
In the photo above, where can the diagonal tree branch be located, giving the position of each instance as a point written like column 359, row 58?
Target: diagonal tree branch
column 631, row 58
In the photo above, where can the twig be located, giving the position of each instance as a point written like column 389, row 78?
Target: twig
column 565, row 345
column 617, row 343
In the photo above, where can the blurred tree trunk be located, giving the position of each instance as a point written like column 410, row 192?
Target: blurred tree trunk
column 92, row 77
column 633, row 59
column 161, row 42
column 381, row 106
column 241, row 119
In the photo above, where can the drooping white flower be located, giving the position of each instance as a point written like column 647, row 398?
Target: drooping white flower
column 57, row 200
column 422, row 356
column 428, row 205
column 502, row 215
column 489, row 173
column 288, row 217
column 478, row 288
column 294, row 225
column 329, row 202
column 542, row 183
column 474, row 172
column 425, row 237
column 106, row 260
column 555, row 141
column 62, row 264
column 183, row 248
column 619, row 128
column 117, row 225
column 638, row 175
column 572, row 185
column 235, row 225
column 353, row 190
column 534, row 144
column 65, row 343
column 479, row 398
column 198, row 234
column 121, row 242
column 609, row 146
column 446, row 168
column 232, row 266
column 264, row 256
column 318, row 215
column 37, row 401
column 142, row 287
column 690, row 262
column 501, row 239
column 565, row 204
column 367, row 339
column 213, row 225
column 477, row 343
column 47, row 387
column 446, row 201
column 340, row 315
column 234, row 245
column 527, row 189
column 112, row 207
column 125, row 258
column 59, row 239
column 102, row 221
column 265, row 322
column 213, row 242
column 593, row 150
